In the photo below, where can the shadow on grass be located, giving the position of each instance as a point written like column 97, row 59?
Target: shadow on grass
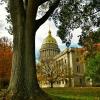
column 63, row 98
column 77, row 93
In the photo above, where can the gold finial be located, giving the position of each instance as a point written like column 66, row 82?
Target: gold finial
column 49, row 30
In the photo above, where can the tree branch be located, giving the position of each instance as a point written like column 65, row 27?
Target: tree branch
column 85, row 15
column 42, row 1
column 48, row 13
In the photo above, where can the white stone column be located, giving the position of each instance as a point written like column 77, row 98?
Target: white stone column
column 45, row 53
column 72, row 81
column 71, row 61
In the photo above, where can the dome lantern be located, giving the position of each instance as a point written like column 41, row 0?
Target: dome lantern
column 49, row 39
column 49, row 33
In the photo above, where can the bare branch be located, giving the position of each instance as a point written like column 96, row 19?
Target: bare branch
column 42, row 1
column 48, row 13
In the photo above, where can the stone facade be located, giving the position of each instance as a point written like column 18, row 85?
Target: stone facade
column 72, row 63
column 69, row 64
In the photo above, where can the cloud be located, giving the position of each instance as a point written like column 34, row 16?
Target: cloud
column 76, row 33
column 1, row 25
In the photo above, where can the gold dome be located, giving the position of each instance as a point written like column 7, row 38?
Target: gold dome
column 49, row 39
column 49, row 47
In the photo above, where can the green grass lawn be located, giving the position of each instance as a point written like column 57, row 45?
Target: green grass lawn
column 74, row 93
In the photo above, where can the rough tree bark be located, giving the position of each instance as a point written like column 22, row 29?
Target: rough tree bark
column 23, row 83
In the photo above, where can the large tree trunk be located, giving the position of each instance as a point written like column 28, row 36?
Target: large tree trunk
column 51, row 84
column 23, row 83
column 17, row 82
column 17, row 86
column 33, row 89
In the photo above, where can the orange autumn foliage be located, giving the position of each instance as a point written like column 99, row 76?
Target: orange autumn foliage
column 5, row 61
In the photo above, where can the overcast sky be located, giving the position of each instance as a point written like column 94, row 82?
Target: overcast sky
column 41, row 33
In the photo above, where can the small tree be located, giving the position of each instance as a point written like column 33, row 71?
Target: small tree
column 50, row 72
column 93, row 68
column 92, row 55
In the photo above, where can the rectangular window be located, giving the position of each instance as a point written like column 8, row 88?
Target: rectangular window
column 78, row 68
column 65, row 61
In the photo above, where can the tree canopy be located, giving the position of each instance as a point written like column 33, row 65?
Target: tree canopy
column 73, row 14
column 93, row 35
column 93, row 67
column 89, row 41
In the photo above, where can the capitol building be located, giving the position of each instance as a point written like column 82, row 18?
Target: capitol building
column 60, row 68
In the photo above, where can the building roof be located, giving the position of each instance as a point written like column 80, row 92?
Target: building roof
column 49, row 39
column 50, row 43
